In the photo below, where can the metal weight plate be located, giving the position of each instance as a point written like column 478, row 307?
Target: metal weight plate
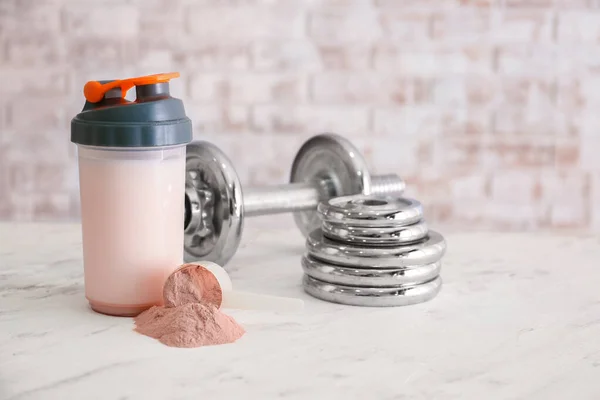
column 214, row 205
column 371, row 211
column 372, row 296
column 375, row 236
column 336, row 164
column 427, row 251
column 370, row 277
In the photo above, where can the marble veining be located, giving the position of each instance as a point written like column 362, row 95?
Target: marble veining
column 518, row 318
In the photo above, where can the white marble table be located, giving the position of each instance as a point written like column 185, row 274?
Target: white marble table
column 518, row 318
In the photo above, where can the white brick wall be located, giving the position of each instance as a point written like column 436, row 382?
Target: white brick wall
column 488, row 108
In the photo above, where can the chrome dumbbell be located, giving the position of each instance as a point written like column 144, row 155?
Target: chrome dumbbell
column 326, row 166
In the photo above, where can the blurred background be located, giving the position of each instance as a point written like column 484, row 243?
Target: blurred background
column 488, row 108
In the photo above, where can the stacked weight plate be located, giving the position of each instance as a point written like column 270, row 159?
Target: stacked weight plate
column 373, row 251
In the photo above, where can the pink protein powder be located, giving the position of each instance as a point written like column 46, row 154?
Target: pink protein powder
column 190, row 317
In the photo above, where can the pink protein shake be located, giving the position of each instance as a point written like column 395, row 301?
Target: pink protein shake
column 132, row 180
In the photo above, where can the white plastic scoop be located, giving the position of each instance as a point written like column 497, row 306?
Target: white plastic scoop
column 207, row 282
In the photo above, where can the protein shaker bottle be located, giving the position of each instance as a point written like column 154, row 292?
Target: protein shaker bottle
column 132, row 184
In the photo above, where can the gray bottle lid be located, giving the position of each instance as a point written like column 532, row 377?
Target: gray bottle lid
column 153, row 119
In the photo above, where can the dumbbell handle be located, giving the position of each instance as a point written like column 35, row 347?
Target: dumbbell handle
column 302, row 196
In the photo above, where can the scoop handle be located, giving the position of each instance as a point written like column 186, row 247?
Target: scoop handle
column 253, row 301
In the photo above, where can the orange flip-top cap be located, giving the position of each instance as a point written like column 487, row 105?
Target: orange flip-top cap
column 94, row 91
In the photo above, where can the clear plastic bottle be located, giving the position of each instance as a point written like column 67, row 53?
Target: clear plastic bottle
column 132, row 180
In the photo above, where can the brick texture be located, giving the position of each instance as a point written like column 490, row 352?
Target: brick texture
column 488, row 108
